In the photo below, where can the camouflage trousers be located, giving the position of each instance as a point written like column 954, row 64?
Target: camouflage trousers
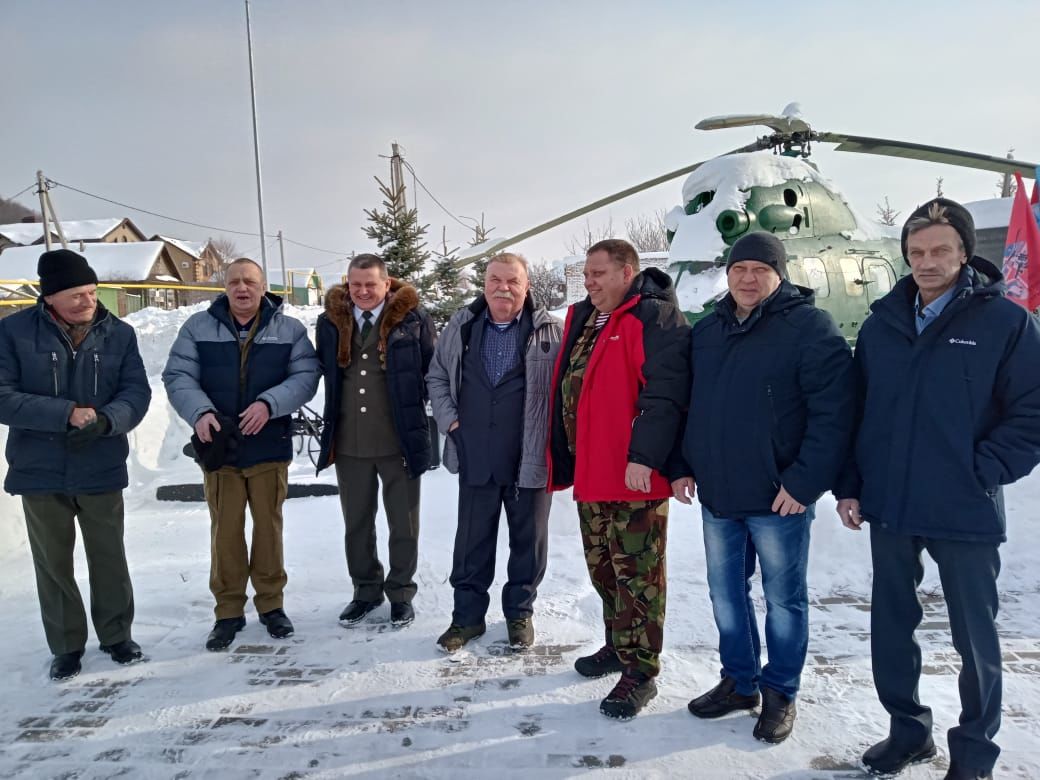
column 624, row 550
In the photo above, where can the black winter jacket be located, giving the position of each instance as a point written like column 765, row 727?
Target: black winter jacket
column 407, row 338
column 41, row 381
column 771, row 404
column 948, row 416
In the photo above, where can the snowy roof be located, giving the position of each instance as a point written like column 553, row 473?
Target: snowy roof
column 994, row 212
column 193, row 248
column 78, row 230
column 130, row 261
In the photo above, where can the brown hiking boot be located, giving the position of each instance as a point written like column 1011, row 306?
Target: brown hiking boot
column 521, row 633
column 457, row 636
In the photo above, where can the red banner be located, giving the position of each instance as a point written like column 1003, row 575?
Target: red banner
column 1022, row 252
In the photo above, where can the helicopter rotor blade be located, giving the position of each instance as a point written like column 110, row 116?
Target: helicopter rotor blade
column 472, row 253
column 779, row 124
column 939, row 154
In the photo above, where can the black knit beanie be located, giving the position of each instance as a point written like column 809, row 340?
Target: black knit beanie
column 763, row 247
column 958, row 217
column 61, row 269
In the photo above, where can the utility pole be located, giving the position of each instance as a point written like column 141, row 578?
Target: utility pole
column 256, row 145
column 397, row 177
column 286, row 289
column 46, row 207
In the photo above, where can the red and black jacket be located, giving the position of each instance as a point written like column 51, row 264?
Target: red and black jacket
column 634, row 393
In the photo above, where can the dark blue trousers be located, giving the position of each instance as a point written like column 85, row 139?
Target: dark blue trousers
column 968, row 571
column 476, row 541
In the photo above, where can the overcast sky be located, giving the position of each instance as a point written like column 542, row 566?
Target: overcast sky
column 520, row 110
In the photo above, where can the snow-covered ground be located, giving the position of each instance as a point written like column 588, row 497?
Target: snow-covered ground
column 376, row 702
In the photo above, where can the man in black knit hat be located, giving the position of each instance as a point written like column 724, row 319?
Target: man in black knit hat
column 949, row 398
column 72, row 384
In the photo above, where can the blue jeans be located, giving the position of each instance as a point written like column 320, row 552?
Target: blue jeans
column 781, row 545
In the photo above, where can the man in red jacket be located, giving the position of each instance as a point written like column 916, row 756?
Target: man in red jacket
column 622, row 380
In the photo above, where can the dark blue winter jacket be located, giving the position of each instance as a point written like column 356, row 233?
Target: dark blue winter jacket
column 948, row 416
column 204, row 373
column 42, row 380
column 771, row 404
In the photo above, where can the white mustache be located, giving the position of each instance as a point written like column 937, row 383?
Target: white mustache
column 507, row 295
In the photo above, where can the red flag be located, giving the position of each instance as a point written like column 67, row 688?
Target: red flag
column 1022, row 252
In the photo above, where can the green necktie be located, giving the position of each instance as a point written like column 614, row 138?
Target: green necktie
column 367, row 327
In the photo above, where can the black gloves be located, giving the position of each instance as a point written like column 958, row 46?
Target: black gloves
column 79, row 438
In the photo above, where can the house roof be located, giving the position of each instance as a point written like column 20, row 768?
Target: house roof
column 76, row 230
column 193, row 248
column 127, row 262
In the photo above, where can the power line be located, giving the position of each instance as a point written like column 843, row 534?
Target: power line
column 153, row 213
column 17, row 194
column 315, row 248
column 415, row 176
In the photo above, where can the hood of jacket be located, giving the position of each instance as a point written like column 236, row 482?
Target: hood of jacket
column 339, row 308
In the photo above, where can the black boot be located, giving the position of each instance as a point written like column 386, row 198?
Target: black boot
column 278, row 624
column 223, row 633
column 601, row 663
column 629, row 696
column 960, row 772
column 722, row 700
column 356, row 611
column 125, row 652
column 890, row 758
column 401, row 614
column 777, row 718
column 66, row 665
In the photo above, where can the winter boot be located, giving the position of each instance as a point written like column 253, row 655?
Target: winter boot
column 223, row 633
column 278, row 624
column 629, row 696
column 889, row 758
column 125, row 652
column 457, row 636
column 521, row 633
column 777, row 718
column 66, row 665
column 601, row 663
column 722, row 700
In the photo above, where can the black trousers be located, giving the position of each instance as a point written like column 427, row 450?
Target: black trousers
column 476, row 540
column 968, row 571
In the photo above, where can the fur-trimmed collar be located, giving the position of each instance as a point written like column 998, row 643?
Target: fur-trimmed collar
column 401, row 299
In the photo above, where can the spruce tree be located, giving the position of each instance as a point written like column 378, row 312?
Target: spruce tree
column 399, row 236
column 445, row 298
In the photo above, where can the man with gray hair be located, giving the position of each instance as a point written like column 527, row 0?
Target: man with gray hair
column 948, row 374
column 489, row 385
column 236, row 373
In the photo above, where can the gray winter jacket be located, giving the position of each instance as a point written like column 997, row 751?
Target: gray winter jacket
column 445, row 375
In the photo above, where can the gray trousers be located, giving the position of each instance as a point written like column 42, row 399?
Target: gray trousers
column 51, row 522
column 358, row 494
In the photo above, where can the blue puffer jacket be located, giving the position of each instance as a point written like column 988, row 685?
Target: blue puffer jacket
column 771, row 404
column 42, row 380
column 948, row 416
column 203, row 374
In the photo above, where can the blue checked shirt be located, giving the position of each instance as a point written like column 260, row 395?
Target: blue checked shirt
column 500, row 347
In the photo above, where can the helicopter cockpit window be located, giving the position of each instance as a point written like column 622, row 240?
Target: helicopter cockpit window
column 879, row 276
column 850, row 271
column 701, row 200
column 816, row 276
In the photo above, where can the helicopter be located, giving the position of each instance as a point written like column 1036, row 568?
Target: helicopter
column 848, row 260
